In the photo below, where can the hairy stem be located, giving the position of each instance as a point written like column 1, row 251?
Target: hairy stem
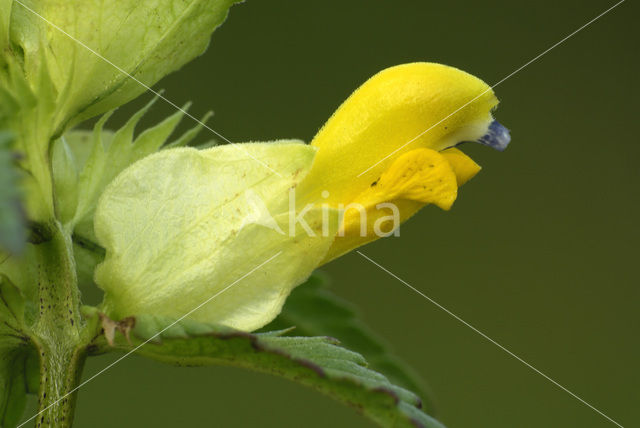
column 57, row 331
column 60, row 370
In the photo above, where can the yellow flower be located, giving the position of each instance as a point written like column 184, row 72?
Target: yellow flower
column 391, row 142
column 183, row 225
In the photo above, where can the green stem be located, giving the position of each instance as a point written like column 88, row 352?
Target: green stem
column 57, row 331
column 60, row 370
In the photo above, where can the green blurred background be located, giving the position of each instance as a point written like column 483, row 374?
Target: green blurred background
column 539, row 252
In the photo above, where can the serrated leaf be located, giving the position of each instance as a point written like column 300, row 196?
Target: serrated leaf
column 317, row 362
column 12, row 229
column 92, row 46
column 186, row 138
column 109, row 154
column 315, row 311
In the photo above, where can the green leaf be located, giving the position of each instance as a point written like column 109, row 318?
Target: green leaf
column 13, row 387
column 92, row 46
column 315, row 311
column 24, row 274
column 12, row 230
column 18, row 376
column 317, row 362
column 27, row 110
column 182, row 225
column 12, row 308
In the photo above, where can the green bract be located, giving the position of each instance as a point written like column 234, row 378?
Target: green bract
column 90, row 47
column 85, row 162
column 184, row 225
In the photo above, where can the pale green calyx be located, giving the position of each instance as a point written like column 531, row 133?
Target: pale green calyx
column 90, row 47
column 186, row 226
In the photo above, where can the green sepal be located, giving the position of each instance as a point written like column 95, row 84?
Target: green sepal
column 317, row 362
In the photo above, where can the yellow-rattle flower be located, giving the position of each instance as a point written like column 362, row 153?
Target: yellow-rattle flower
column 182, row 225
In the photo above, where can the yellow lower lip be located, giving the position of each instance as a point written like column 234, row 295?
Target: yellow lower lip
column 415, row 179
